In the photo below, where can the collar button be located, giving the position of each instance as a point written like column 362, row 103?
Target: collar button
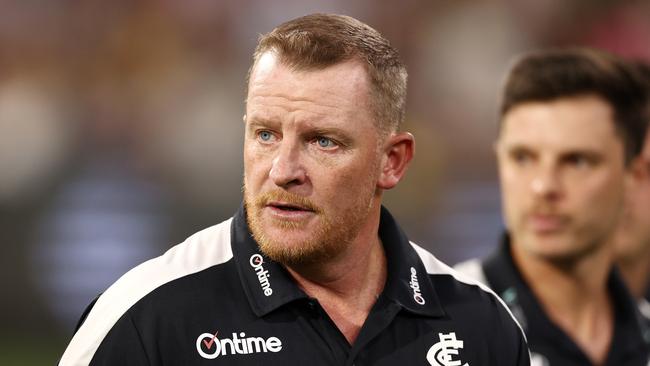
column 313, row 307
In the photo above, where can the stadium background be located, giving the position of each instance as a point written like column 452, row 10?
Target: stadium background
column 121, row 132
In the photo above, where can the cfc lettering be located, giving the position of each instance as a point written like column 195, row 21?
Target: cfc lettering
column 445, row 352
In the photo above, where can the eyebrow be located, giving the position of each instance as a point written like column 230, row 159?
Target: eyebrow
column 328, row 131
column 256, row 121
column 589, row 154
column 517, row 146
column 586, row 151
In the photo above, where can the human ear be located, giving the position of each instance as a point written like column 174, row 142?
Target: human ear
column 396, row 156
column 639, row 170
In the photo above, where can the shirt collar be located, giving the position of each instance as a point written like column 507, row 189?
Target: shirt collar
column 631, row 329
column 268, row 285
column 407, row 277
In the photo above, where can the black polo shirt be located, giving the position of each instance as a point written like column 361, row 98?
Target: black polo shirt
column 216, row 300
column 550, row 345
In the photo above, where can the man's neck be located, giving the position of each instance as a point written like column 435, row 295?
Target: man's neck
column 574, row 296
column 348, row 286
column 636, row 273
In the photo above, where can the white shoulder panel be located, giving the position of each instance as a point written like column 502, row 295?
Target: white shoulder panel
column 202, row 250
column 435, row 266
column 644, row 308
column 472, row 269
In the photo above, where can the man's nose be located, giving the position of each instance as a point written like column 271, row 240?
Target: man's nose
column 546, row 183
column 287, row 168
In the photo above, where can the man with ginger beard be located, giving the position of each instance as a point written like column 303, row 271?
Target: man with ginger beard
column 312, row 270
column 572, row 122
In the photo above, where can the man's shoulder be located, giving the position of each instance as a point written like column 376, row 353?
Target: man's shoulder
column 644, row 309
column 436, row 267
column 462, row 293
column 202, row 250
column 205, row 249
column 473, row 268
column 461, row 285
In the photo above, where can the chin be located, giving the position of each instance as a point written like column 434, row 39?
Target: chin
column 562, row 251
column 547, row 246
column 288, row 237
column 293, row 250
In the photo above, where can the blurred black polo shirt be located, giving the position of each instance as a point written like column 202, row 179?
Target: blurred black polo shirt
column 549, row 345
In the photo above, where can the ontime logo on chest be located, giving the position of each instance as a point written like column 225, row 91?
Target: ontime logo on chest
column 210, row 346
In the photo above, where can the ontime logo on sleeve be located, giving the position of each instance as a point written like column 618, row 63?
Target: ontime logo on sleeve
column 210, row 346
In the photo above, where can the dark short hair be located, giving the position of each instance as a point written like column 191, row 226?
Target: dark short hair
column 549, row 75
column 316, row 41
column 643, row 71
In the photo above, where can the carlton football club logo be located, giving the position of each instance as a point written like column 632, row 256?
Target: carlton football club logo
column 211, row 346
column 445, row 352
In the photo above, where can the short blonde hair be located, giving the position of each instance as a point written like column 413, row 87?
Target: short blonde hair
column 317, row 41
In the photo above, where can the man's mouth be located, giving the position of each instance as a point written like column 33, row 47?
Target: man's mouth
column 284, row 206
column 545, row 223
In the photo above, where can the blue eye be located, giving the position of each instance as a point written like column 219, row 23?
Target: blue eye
column 324, row 142
column 265, row 135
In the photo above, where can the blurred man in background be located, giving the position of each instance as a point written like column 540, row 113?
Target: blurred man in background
column 312, row 269
column 632, row 237
column 572, row 122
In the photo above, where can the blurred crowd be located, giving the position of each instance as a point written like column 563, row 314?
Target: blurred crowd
column 121, row 127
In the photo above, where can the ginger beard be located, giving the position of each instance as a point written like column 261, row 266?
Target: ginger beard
column 334, row 231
